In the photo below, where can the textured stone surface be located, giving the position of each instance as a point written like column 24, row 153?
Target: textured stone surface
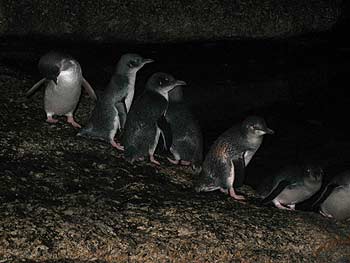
column 65, row 199
column 166, row 21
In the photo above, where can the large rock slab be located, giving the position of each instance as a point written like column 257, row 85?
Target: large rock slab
column 65, row 199
column 166, row 21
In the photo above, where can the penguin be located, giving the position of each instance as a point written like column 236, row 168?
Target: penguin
column 141, row 133
column 63, row 78
column 333, row 201
column 111, row 109
column 224, row 165
column 186, row 136
column 291, row 185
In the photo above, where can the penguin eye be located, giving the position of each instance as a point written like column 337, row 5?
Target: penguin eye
column 132, row 64
column 163, row 81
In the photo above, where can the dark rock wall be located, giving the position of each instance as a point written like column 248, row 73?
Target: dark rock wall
column 166, row 21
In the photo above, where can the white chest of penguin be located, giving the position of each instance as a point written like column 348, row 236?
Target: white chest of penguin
column 69, row 78
column 131, row 91
column 248, row 155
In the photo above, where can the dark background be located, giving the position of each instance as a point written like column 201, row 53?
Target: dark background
column 299, row 84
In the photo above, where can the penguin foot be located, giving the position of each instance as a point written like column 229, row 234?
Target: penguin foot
column 117, row 145
column 280, row 206
column 151, row 158
column 51, row 120
column 292, row 207
column 173, row 161
column 186, row 163
column 325, row 215
column 71, row 120
column 235, row 196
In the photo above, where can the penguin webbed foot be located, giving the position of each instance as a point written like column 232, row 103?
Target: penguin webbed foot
column 185, row 163
column 181, row 162
column 280, row 206
column 70, row 119
column 50, row 119
column 325, row 215
column 117, row 145
column 173, row 161
column 152, row 160
column 235, row 196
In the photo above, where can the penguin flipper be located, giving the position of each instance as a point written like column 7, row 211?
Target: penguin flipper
column 165, row 127
column 323, row 194
column 239, row 168
column 89, row 89
column 122, row 112
column 276, row 191
column 36, row 85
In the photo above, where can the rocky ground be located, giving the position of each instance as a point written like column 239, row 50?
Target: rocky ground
column 67, row 199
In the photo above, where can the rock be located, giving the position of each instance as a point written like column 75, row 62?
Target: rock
column 166, row 21
column 71, row 208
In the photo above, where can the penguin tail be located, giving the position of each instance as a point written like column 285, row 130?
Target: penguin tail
column 197, row 168
column 130, row 154
column 84, row 132
column 206, row 188
column 91, row 133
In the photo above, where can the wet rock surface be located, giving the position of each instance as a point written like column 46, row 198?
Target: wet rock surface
column 67, row 199
column 166, row 21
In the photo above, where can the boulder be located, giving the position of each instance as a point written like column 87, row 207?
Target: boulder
column 166, row 21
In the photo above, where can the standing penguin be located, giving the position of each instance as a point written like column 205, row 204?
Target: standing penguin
column 223, row 166
column 111, row 109
column 141, row 133
column 334, row 199
column 186, row 135
column 292, row 185
column 64, row 79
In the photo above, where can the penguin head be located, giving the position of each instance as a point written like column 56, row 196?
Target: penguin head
column 313, row 173
column 52, row 63
column 50, row 71
column 256, row 126
column 163, row 82
column 68, row 64
column 131, row 63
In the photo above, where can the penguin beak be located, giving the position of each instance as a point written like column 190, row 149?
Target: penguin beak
column 147, row 60
column 269, row 131
column 50, row 72
column 180, row 83
column 53, row 78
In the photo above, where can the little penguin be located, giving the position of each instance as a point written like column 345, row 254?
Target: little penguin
column 141, row 133
column 63, row 77
column 334, row 199
column 223, row 166
column 186, row 136
column 111, row 109
column 291, row 185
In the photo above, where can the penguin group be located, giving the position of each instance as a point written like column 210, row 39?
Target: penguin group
column 161, row 115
